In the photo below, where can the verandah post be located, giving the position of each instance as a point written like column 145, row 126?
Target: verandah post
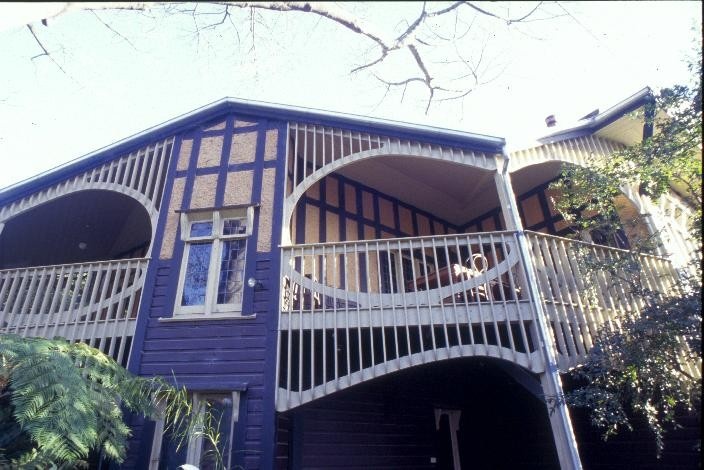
column 563, row 434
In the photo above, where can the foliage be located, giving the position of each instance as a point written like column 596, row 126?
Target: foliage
column 651, row 365
column 669, row 159
column 60, row 401
column 642, row 369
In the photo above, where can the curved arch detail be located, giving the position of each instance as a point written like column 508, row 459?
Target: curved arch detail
column 532, row 362
column 579, row 151
column 139, row 175
column 387, row 148
column 57, row 192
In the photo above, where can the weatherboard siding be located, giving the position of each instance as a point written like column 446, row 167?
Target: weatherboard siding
column 230, row 162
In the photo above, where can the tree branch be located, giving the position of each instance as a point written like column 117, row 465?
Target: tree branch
column 45, row 53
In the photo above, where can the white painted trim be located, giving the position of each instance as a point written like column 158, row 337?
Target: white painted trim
column 212, row 317
column 210, row 309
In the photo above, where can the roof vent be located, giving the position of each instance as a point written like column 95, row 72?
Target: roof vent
column 550, row 121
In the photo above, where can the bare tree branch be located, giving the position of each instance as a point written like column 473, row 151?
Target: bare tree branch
column 419, row 36
column 113, row 29
column 45, row 52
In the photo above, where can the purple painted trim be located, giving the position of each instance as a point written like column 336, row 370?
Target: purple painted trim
column 270, row 380
column 224, row 157
column 148, row 289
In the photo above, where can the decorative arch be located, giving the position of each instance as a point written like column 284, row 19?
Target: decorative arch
column 80, row 226
column 521, row 367
column 315, row 151
column 140, row 175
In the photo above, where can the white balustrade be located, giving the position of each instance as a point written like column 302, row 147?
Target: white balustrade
column 586, row 287
column 352, row 311
column 356, row 310
column 95, row 303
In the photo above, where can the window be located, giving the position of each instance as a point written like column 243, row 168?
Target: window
column 209, row 445
column 387, row 265
column 212, row 269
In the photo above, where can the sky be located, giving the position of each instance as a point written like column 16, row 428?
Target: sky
column 113, row 74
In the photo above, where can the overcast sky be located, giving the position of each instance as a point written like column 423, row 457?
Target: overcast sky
column 144, row 70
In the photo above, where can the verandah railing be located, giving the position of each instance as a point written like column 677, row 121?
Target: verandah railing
column 95, row 303
column 585, row 287
column 359, row 309
column 356, row 310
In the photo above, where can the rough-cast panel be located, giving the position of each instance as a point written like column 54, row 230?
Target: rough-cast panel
column 351, row 230
column 210, row 151
column 204, row 190
column 217, row 127
column 633, row 225
column 367, row 205
column 272, row 139
column 350, row 199
column 406, row 220
column 167, row 244
column 244, row 147
column 314, row 191
column 423, row 225
column 331, row 192
column 532, row 211
column 312, row 224
column 332, row 227
column 185, row 154
column 386, row 212
column 439, row 227
column 489, row 225
column 238, row 189
column 266, row 210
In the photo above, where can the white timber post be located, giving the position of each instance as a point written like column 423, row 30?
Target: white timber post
column 563, row 434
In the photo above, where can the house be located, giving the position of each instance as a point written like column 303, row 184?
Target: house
column 346, row 291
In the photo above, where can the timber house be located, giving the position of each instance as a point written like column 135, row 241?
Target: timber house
column 351, row 292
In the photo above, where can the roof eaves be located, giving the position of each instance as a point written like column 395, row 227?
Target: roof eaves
column 601, row 120
column 208, row 111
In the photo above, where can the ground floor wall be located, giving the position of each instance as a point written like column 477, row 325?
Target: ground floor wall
column 636, row 448
column 392, row 423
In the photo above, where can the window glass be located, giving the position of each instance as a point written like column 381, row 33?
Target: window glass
column 212, row 273
column 231, row 271
column 196, row 277
column 235, row 227
column 201, row 229
column 220, row 408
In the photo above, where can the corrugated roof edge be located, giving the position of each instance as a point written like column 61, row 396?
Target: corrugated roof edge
column 229, row 104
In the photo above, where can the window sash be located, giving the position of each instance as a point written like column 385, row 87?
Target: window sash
column 224, row 279
column 196, row 443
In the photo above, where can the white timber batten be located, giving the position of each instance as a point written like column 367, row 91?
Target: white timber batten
column 140, row 175
column 315, row 151
column 578, row 150
column 672, row 218
column 668, row 217
column 95, row 303
column 580, row 300
column 353, row 311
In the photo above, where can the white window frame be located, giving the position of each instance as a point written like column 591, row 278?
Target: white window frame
column 195, row 442
column 210, row 308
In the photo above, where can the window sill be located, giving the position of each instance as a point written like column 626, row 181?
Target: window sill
column 200, row 317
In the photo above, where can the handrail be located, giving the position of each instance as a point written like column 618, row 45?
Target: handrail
column 87, row 263
column 595, row 245
column 94, row 302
